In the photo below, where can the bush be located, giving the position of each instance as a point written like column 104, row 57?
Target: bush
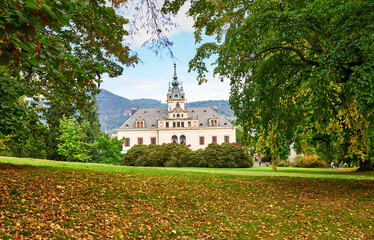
column 284, row 163
column 108, row 150
column 135, row 156
column 175, row 155
column 226, row 156
column 311, row 161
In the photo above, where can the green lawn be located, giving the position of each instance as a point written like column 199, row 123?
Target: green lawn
column 49, row 199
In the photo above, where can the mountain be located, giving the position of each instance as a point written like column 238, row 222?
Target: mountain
column 114, row 110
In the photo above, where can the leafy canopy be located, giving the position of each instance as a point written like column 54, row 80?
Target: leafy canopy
column 300, row 70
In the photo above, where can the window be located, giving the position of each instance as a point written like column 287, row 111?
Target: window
column 178, row 124
column 213, row 122
column 189, row 124
column 173, row 124
column 182, row 139
column 127, row 142
column 153, row 140
column 174, row 139
column 202, row 142
column 182, row 124
column 140, row 141
column 177, row 115
column 182, row 115
column 227, row 139
column 214, row 139
column 140, row 123
column 173, row 115
column 167, row 124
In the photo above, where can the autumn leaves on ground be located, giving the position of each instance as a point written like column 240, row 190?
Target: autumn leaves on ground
column 52, row 202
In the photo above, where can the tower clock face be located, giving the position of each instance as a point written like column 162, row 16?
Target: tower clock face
column 161, row 124
column 195, row 123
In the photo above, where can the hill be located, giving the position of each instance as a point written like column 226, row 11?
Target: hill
column 114, row 110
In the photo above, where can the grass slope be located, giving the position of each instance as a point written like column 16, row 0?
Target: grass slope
column 48, row 199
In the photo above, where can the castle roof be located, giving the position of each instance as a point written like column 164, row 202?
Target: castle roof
column 151, row 115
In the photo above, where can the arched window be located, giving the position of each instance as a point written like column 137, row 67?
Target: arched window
column 174, row 139
column 140, row 123
column 182, row 139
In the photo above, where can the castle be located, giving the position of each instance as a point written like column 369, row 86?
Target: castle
column 195, row 127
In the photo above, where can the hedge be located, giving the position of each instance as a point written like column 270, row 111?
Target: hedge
column 174, row 155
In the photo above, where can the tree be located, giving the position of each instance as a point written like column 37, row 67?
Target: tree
column 300, row 70
column 73, row 143
column 109, row 150
column 52, row 56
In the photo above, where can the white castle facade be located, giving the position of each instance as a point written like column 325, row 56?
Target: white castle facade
column 195, row 127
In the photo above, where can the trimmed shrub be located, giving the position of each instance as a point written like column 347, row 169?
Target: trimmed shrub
column 175, row 155
column 135, row 156
column 226, row 156
column 311, row 161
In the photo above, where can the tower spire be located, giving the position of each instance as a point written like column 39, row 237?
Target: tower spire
column 175, row 82
column 175, row 71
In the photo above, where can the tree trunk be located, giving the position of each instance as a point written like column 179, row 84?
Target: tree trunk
column 365, row 166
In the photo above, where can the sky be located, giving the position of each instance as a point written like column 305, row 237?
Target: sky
column 151, row 77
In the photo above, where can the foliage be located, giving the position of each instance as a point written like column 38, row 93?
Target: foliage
column 109, row 149
column 52, row 57
column 134, row 156
column 300, row 71
column 226, row 156
column 93, row 133
column 73, row 141
column 284, row 163
column 177, row 204
column 176, row 155
column 311, row 161
column 239, row 135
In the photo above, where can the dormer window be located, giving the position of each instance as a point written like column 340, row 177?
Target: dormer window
column 140, row 123
column 213, row 121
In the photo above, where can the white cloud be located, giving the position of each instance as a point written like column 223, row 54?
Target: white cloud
column 156, row 88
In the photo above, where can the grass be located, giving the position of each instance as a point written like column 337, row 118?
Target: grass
column 49, row 199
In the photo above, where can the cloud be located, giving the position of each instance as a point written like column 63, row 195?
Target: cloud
column 157, row 87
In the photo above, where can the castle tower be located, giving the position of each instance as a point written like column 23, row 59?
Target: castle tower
column 176, row 98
